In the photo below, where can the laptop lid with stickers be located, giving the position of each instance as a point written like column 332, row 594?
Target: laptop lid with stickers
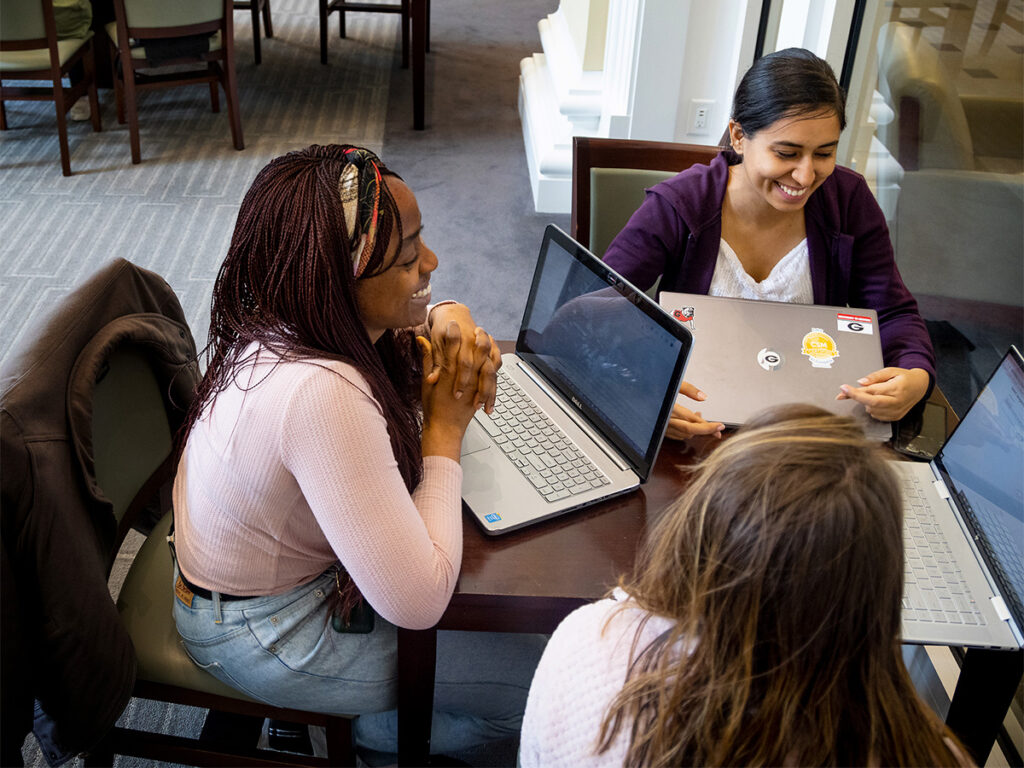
column 749, row 355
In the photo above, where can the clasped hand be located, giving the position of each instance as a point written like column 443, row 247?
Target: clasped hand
column 464, row 354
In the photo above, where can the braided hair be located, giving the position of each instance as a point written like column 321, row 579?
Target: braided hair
column 314, row 222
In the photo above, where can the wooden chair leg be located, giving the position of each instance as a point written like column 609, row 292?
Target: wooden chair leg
column 426, row 28
column 323, row 31
column 405, row 20
column 94, row 98
column 119, row 101
column 231, row 96
column 339, row 742
column 118, row 85
column 131, row 106
column 341, row 22
column 62, row 126
column 3, row 116
column 268, row 26
column 255, row 8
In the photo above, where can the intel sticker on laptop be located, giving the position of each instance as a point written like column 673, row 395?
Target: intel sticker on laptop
column 492, row 518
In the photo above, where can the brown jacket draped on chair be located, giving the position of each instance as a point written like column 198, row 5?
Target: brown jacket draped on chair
column 63, row 643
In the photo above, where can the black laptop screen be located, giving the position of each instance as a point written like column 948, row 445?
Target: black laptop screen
column 612, row 352
column 984, row 465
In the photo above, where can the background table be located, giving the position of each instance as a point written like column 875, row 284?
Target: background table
column 529, row 580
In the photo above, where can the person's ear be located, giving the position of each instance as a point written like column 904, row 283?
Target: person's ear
column 736, row 137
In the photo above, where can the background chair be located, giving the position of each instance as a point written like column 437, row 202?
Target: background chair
column 132, row 425
column 257, row 6
column 609, row 177
column 172, row 34
column 327, row 7
column 29, row 50
column 934, row 125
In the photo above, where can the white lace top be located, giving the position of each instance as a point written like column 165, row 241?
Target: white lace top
column 789, row 280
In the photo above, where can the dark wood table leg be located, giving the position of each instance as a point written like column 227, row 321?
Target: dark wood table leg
column 988, row 680
column 417, row 651
column 419, row 60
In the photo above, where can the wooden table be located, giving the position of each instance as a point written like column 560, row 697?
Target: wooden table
column 529, row 580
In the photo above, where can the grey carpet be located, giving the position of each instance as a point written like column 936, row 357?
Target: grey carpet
column 174, row 212
column 468, row 169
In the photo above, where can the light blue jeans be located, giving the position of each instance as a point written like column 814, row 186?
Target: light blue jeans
column 283, row 650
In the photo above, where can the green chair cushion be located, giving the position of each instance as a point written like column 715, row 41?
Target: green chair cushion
column 146, row 603
column 615, row 194
column 39, row 58
column 140, row 53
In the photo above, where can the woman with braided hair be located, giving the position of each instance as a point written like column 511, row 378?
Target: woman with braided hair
column 318, row 495
column 761, row 625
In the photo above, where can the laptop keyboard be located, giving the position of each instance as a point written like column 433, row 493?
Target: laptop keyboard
column 540, row 450
column 935, row 589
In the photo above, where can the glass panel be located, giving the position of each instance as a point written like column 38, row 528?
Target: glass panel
column 936, row 124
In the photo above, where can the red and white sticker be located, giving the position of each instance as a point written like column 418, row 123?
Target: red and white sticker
column 855, row 324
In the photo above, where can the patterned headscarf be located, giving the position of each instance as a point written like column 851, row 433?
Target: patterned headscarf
column 360, row 189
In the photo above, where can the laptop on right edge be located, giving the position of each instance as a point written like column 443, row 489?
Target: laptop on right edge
column 964, row 525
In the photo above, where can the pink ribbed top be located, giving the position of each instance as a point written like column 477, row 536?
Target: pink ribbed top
column 278, row 482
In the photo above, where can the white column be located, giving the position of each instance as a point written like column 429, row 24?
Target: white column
column 619, row 65
column 561, row 96
column 660, row 59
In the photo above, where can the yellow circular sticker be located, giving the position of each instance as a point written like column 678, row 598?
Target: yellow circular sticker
column 820, row 348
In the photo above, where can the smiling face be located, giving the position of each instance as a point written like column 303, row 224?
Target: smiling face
column 785, row 162
column 398, row 296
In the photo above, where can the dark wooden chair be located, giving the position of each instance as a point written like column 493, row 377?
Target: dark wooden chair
column 327, row 7
column 30, row 50
column 133, row 420
column 609, row 177
column 256, row 7
column 140, row 21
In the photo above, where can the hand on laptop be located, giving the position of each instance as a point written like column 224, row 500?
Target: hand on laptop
column 888, row 394
column 684, row 423
column 478, row 356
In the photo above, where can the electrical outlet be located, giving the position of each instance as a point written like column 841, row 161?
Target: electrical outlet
column 700, row 115
column 700, row 118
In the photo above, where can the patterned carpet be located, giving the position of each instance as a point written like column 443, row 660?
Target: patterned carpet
column 174, row 212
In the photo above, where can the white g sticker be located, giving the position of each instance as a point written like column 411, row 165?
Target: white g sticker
column 769, row 359
column 854, row 324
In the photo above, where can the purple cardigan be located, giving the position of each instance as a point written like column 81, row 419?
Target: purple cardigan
column 677, row 230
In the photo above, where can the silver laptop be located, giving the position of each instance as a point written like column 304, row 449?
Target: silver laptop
column 583, row 402
column 964, row 525
column 753, row 354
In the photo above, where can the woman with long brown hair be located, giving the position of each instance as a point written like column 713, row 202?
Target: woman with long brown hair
column 317, row 503
column 762, row 624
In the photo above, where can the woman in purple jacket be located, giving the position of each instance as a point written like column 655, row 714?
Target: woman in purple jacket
column 774, row 218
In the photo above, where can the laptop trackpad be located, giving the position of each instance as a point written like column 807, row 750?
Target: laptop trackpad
column 475, row 439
